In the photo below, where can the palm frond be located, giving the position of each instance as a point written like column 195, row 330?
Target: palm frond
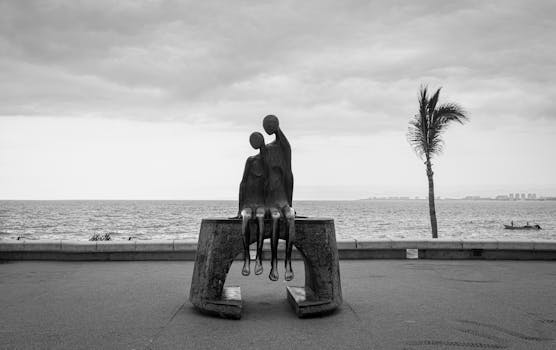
column 435, row 143
column 423, row 100
column 451, row 112
column 433, row 101
column 418, row 126
column 416, row 135
column 426, row 128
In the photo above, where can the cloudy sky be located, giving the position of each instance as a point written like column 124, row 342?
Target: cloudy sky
column 156, row 99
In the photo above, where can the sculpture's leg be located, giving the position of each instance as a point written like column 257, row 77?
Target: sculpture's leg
column 275, row 215
column 246, row 215
column 260, row 239
column 289, row 214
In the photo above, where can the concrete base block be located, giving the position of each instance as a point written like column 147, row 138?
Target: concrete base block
column 46, row 245
column 115, row 246
column 445, row 244
column 78, row 247
column 97, row 256
column 366, row 253
column 375, row 244
column 448, row 254
column 228, row 306
column 487, row 254
column 545, row 245
column 185, row 245
column 154, row 245
column 520, row 255
column 347, row 244
column 11, row 246
column 407, row 244
column 305, row 304
column 221, row 241
column 350, row 249
column 515, row 245
column 480, row 244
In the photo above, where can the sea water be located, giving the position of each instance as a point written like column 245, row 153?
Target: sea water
column 361, row 219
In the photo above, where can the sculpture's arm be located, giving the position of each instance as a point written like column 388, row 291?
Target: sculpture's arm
column 266, row 168
column 288, row 179
column 284, row 144
column 242, row 186
column 282, row 141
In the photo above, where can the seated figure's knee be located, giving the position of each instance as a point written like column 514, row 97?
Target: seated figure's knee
column 275, row 214
column 260, row 213
column 289, row 213
column 246, row 213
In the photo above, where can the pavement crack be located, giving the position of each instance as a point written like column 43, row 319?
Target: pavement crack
column 482, row 335
column 354, row 312
column 361, row 325
column 506, row 331
column 157, row 334
column 445, row 344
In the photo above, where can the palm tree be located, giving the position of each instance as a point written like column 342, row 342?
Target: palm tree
column 425, row 135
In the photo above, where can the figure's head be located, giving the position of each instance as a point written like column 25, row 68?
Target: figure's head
column 256, row 140
column 270, row 124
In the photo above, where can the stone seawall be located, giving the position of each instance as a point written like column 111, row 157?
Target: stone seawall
column 347, row 249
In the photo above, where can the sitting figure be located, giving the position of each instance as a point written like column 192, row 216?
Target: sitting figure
column 278, row 193
column 251, row 203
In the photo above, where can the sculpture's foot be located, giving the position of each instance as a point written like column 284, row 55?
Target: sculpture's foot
column 289, row 274
column 258, row 267
column 246, row 269
column 273, row 274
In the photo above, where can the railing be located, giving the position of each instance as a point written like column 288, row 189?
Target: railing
column 348, row 249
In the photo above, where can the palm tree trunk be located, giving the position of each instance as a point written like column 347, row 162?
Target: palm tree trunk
column 432, row 209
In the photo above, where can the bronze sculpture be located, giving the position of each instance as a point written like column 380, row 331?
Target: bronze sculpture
column 266, row 189
column 279, row 192
column 265, row 203
column 252, row 203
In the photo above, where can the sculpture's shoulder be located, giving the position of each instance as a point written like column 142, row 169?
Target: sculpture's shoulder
column 272, row 147
column 256, row 157
column 255, row 164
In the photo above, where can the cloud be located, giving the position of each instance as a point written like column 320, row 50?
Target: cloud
column 326, row 67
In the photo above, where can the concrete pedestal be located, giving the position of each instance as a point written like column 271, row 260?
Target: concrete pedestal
column 221, row 240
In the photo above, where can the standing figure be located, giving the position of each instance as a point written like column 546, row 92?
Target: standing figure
column 251, row 203
column 278, row 193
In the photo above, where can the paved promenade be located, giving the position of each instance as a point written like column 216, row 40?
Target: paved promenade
column 388, row 304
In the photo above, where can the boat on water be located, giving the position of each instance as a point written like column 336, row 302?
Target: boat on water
column 526, row 227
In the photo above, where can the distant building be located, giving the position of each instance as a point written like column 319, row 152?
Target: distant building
column 503, row 197
column 523, row 196
column 511, row 196
column 516, row 196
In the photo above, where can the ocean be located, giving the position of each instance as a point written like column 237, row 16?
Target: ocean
column 360, row 219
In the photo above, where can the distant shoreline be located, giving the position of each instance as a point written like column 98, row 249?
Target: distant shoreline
column 542, row 199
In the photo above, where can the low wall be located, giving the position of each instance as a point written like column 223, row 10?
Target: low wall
column 348, row 249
